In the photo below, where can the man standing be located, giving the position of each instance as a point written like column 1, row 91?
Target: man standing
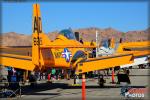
column 53, row 73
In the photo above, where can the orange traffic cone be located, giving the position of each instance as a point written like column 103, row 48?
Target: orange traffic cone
column 113, row 77
column 83, row 88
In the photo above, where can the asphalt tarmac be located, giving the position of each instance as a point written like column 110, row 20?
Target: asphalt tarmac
column 63, row 89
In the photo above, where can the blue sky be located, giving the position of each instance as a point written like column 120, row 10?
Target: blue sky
column 123, row 16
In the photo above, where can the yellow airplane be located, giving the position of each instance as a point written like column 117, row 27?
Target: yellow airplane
column 64, row 52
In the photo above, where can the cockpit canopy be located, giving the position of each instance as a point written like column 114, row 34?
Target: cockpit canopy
column 68, row 33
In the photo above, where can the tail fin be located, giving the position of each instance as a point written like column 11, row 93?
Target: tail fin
column 38, row 37
column 36, row 29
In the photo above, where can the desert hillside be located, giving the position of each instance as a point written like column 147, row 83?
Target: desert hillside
column 88, row 34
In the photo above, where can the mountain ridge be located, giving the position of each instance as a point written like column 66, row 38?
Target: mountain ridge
column 88, row 34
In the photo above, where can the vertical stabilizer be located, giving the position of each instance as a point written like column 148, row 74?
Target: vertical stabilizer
column 38, row 37
column 37, row 30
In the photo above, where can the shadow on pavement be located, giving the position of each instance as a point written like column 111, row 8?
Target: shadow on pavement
column 37, row 90
column 27, row 90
